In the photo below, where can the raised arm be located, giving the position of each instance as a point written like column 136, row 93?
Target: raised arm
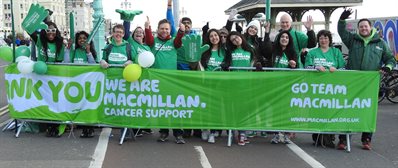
column 345, row 35
column 170, row 18
column 180, row 35
column 149, row 39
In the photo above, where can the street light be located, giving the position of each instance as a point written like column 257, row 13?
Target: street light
column 125, row 4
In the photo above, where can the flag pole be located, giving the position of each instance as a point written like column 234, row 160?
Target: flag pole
column 268, row 9
column 13, row 31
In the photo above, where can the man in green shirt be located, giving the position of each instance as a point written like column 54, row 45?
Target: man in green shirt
column 118, row 53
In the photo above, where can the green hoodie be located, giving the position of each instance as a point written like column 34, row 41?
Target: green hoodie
column 118, row 54
column 136, row 49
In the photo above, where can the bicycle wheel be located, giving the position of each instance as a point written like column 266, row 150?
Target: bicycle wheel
column 392, row 92
column 382, row 94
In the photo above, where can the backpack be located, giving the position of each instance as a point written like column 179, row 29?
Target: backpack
column 325, row 140
column 108, row 51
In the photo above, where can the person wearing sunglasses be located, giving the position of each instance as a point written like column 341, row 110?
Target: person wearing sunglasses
column 49, row 43
column 51, row 49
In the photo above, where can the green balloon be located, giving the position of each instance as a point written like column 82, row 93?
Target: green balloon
column 40, row 67
column 6, row 53
column 22, row 51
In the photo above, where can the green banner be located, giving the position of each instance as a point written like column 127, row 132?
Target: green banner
column 286, row 100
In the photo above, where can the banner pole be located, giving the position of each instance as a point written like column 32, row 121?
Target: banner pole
column 13, row 31
column 268, row 10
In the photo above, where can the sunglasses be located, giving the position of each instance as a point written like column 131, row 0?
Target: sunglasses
column 51, row 30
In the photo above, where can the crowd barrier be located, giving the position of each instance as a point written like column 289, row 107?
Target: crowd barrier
column 285, row 101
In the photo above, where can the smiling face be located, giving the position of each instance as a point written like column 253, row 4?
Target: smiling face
column 164, row 30
column 82, row 39
column 252, row 30
column 284, row 40
column 214, row 38
column 364, row 28
column 324, row 41
column 118, row 35
column 285, row 22
column 51, row 33
column 236, row 40
column 139, row 35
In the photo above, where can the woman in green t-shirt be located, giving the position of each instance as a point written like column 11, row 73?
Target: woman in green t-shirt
column 239, row 53
column 324, row 57
column 283, row 53
column 49, row 44
column 83, row 52
column 210, row 60
column 50, row 47
column 214, row 56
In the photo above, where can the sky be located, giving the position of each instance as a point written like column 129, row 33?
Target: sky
column 202, row 11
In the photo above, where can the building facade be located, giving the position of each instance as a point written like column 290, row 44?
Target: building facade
column 82, row 15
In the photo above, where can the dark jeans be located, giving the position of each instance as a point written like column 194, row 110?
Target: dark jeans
column 176, row 132
column 183, row 66
column 365, row 137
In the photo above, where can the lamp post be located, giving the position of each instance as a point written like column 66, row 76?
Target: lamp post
column 99, row 38
column 126, row 5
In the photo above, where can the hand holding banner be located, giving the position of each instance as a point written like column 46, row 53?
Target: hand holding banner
column 128, row 15
column 193, row 47
column 34, row 19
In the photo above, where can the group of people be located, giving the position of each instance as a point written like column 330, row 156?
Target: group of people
column 367, row 51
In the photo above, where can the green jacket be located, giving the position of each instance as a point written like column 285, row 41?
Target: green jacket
column 362, row 56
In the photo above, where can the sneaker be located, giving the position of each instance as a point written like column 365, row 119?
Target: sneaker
column 292, row 135
column 286, row 139
column 90, row 133
column 275, row 139
column 205, row 135
column 341, row 146
column 147, row 131
column 263, row 134
column 180, row 140
column 217, row 134
column 84, row 133
column 246, row 140
column 251, row 134
column 366, row 145
column 163, row 137
column 241, row 139
column 211, row 138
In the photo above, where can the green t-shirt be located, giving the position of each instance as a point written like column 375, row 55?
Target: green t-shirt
column 118, row 54
column 136, row 49
column 79, row 56
column 165, row 54
column 241, row 58
column 215, row 60
column 51, row 51
column 331, row 58
column 281, row 61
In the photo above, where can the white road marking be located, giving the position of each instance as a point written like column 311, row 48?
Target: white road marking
column 3, row 110
column 303, row 155
column 100, row 150
column 202, row 157
column 4, row 107
column 5, row 122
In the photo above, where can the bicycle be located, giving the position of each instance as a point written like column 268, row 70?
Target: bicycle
column 389, row 87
